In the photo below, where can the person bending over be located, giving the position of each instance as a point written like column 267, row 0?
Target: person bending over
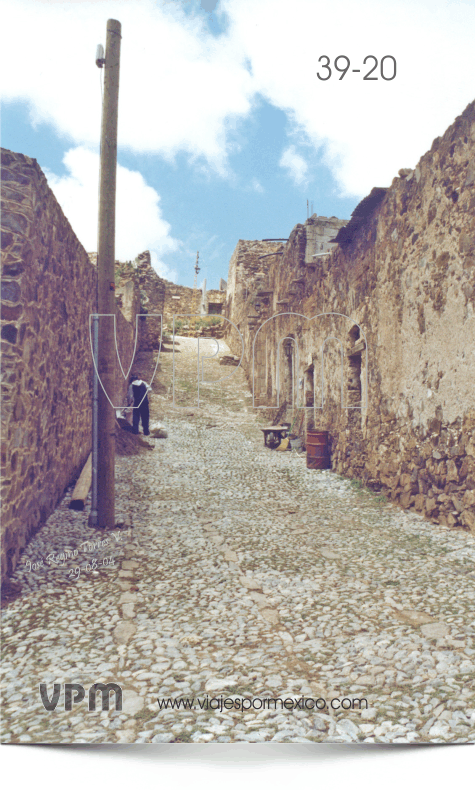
column 138, row 398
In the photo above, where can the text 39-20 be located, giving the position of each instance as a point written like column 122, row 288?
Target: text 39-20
column 387, row 67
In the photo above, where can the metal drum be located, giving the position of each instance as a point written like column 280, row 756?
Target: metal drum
column 318, row 450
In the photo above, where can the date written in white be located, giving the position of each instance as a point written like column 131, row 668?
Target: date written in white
column 92, row 566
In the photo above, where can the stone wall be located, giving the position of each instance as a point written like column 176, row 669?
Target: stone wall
column 163, row 297
column 248, row 294
column 128, row 304
column 403, row 276
column 48, row 292
column 247, row 270
column 214, row 302
column 128, row 300
column 254, row 271
column 320, row 231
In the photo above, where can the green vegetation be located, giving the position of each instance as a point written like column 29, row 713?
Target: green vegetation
column 184, row 737
column 359, row 488
column 187, row 386
column 123, row 269
column 196, row 323
column 144, row 715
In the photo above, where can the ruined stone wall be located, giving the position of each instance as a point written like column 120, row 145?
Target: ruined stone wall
column 254, row 292
column 163, row 297
column 128, row 305
column 247, row 270
column 247, row 291
column 128, row 302
column 214, row 302
column 180, row 300
column 319, row 234
column 404, row 271
column 48, row 291
column 169, row 299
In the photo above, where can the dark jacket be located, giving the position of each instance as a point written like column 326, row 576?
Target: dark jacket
column 136, row 392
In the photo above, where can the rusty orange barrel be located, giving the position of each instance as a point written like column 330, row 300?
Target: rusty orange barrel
column 318, row 450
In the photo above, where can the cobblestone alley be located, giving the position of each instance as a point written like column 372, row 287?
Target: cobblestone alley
column 244, row 576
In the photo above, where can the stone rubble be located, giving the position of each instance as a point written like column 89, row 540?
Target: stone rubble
column 240, row 573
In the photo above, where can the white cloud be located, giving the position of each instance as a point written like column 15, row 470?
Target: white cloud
column 139, row 223
column 162, row 269
column 368, row 129
column 256, row 185
column 183, row 90
column 295, row 165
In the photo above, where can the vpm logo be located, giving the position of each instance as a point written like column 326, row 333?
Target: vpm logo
column 80, row 693
column 259, row 336
column 94, row 341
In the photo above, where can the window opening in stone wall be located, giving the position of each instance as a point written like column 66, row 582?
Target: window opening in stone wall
column 291, row 373
column 309, row 385
column 269, row 364
column 354, row 369
column 286, row 375
column 354, row 334
column 215, row 307
column 354, row 380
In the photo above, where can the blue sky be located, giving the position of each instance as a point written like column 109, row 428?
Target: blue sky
column 225, row 130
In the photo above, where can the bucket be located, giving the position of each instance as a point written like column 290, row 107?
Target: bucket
column 318, row 450
column 296, row 443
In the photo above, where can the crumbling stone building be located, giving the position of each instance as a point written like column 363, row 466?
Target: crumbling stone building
column 387, row 364
column 160, row 296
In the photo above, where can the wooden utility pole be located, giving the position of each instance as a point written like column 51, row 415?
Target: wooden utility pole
column 106, row 280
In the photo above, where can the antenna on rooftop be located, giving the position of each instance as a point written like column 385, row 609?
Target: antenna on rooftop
column 197, row 269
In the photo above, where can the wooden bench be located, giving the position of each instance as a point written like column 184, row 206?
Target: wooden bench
column 279, row 431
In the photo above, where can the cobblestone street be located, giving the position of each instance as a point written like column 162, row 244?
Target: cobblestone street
column 244, row 575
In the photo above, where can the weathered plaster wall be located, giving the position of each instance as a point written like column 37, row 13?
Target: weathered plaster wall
column 404, row 271
column 48, row 292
